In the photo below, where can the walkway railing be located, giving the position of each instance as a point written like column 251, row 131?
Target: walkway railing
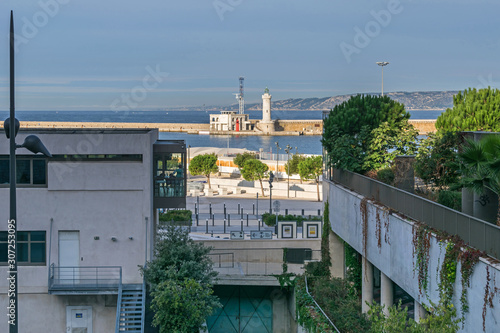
column 478, row 233
column 84, row 278
column 258, row 261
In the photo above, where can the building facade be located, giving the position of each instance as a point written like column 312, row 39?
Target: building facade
column 86, row 223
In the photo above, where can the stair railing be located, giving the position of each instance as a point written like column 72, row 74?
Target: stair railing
column 143, row 310
column 119, row 305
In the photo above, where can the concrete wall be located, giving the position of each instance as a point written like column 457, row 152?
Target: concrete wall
column 395, row 256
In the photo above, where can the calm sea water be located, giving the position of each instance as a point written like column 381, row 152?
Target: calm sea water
column 304, row 144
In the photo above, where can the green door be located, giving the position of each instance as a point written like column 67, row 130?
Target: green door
column 245, row 309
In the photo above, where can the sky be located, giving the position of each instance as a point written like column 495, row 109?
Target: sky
column 153, row 54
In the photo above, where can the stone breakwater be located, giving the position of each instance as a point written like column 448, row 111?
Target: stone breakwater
column 284, row 127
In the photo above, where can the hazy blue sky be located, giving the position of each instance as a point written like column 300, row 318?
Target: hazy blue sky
column 100, row 55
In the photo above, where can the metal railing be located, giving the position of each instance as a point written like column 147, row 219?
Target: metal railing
column 319, row 307
column 258, row 261
column 479, row 234
column 84, row 278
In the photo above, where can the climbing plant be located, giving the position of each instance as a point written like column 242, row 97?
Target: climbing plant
column 421, row 246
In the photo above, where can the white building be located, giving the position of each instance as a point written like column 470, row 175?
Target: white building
column 86, row 223
column 230, row 121
column 266, row 125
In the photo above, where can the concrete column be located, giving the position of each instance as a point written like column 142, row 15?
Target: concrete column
column 386, row 293
column 367, row 284
column 420, row 312
column 337, row 255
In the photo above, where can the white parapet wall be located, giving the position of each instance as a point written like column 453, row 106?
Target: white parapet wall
column 393, row 256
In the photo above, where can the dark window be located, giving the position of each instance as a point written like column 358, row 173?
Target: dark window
column 31, row 248
column 30, row 170
column 98, row 157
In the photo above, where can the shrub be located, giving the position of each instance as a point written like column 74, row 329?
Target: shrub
column 176, row 216
column 386, row 175
column 451, row 199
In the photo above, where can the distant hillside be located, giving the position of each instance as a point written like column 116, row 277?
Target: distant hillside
column 420, row 100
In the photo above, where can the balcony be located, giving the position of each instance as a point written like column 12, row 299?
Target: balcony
column 84, row 280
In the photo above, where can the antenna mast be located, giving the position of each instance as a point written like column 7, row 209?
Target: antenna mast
column 240, row 97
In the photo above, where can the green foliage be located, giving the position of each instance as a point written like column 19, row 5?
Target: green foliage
column 292, row 166
column 441, row 319
column 386, row 175
column 448, row 273
column 312, row 168
column 255, row 170
column 180, row 215
column 180, row 276
column 367, row 132
column 182, row 306
column 481, row 166
column 452, row 199
column 240, row 159
column 421, row 247
column 473, row 110
column 353, row 269
column 436, row 162
column 204, row 165
column 335, row 299
column 270, row 219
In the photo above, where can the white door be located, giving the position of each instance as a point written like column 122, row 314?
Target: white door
column 69, row 256
column 79, row 319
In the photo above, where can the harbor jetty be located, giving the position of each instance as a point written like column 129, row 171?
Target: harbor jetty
column 283, row 127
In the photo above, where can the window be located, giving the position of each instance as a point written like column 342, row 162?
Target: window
column 98, row 157
column 30, row 170
column 169, row 175
column 30, row 248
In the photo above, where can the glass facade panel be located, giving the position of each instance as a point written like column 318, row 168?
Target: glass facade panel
column 22, row 236
column 38, row 252
column 4, row 171
column 39, row 172
column 22, row 252
column 23, row 172
column 170, row 175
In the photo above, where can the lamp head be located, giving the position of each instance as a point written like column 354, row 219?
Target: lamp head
column 35, row 145
column 6, row 126
column 382, row 63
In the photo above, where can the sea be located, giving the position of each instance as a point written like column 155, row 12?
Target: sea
column 300, row 144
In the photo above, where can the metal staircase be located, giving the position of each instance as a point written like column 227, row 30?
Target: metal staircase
column 130, row 311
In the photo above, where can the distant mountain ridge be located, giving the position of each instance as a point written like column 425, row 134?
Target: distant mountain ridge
column 419, row 100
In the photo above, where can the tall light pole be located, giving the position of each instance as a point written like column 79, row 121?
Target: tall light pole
column 33, row 144
column 382, row 64
column 271, row 178
column 287, row 150
column 277, row 158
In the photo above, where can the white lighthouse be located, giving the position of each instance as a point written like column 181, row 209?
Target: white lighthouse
column 266, row 106
column 266, row 125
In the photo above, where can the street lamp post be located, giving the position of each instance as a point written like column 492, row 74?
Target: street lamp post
column 382, row 64
column 277, row 158
column 33, row 144
column 188, row 161
column 287, row 150
column 271, row 178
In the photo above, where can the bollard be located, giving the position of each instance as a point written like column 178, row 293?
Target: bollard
column 213, row 220
column 197, row 219
column 195, row 208
column 241, row 224
column 253, row 209
column 241, row 212
column 286, row 211
column 319, row 212
column 247, row 220
column 210, row 209
column 302, row 212
column 228, row 220
column 206, row 231
column 238, row 208
column 225, row 215
column 224, row 225
column 212, row 233
column 258, row 223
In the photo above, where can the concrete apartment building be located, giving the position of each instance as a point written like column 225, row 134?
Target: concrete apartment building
column 86, row 223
